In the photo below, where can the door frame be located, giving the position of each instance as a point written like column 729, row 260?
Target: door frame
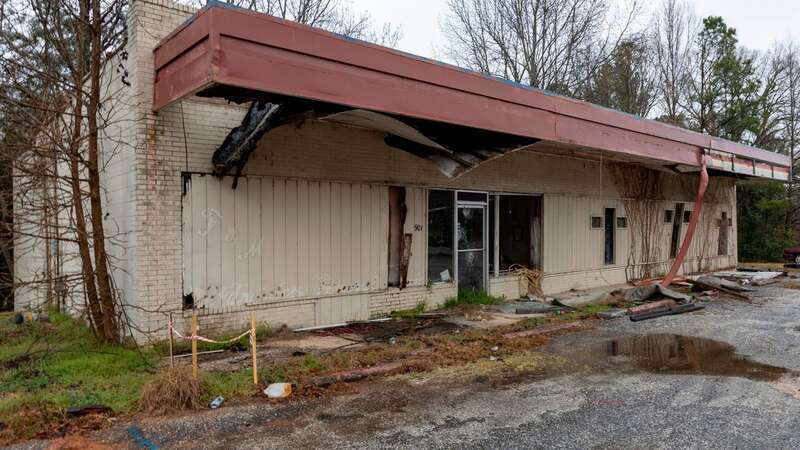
column 484, row 205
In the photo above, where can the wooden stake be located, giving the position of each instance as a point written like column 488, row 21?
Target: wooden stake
column 171, row 353
column 253, row 346
column 194, row 344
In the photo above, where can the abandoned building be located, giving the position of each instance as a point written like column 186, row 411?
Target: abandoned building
column 313, row 179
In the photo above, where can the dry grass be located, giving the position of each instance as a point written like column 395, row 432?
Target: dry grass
column 170, row 390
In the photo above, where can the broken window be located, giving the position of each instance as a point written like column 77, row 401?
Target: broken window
column 597, row 222
column 722, row 245
column 397, row 218
column 441, row 216
column 687, row 216
column 516, row 241
column 622, row 222
column 668, row 215
column 609, row 229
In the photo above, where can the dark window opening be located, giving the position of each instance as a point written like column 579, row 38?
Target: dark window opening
column 472, row 197
column 397, row 218
column 668, row 216
column 519, row 233
column 622, row 222
column 722, row 245
column 188, row 301
column 440, row 235
column 676, row 231
column 609, row 229
column 597, row 222
column 687, row 216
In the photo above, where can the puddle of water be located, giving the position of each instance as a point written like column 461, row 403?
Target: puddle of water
column 677, row 354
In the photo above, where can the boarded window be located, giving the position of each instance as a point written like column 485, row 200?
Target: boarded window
column 608, row 228
column 397, row 219
column 676, row 230
column 722, row 247
column 441, row 217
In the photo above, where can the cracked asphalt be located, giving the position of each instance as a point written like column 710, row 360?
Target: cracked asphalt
column 572, row 400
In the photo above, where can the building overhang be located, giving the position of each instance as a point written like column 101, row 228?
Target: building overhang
column 246, row 56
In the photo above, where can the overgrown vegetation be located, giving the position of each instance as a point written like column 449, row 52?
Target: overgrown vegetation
column 46, row 367
column 468, row 297
column 411, row 313
column 763, row 229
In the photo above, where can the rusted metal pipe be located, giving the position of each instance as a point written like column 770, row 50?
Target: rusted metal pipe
column 687, row 240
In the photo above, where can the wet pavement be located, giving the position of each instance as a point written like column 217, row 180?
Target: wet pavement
column 664, row 353
column 724, row 377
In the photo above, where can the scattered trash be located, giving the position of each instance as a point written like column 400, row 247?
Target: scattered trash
column 28, row 316
column 492, row 358
column 750, row 277
column 495, row 348
column 648, row 292
column 80, row 411
column 142, row 442
column 679, row 309
column 393, row 340
column 718, row 284
column 356, row 374
column 544, row 329
column 217, row 402
column 653, row 306
column 278, row 390
column 614, row 313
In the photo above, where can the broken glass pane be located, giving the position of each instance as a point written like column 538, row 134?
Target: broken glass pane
column 440, row 235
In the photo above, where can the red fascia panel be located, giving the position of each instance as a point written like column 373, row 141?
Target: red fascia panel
column 233, row 47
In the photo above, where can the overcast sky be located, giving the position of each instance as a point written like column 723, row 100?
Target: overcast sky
column 759, row 23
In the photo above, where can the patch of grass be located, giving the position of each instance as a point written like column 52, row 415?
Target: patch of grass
column 47, row 367
column 584, row 312
column 467, row 297
column 411, row 313
column 228, row 384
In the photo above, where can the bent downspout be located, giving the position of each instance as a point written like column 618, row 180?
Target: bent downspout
column 687, row 240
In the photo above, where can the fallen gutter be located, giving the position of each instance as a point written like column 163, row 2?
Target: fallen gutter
column 687, row 240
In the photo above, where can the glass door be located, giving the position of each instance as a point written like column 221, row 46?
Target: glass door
column 471, row 234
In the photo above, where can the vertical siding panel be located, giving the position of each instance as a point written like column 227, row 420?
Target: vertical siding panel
column 384, row 231
column 255, row 242
column 214, row 232
column 345, row 245
column 199, row 240
column 292, row 247
column 375, row 238
column 365, row 213
column 228, row 249
column 337, row 269
column 268, row 243
column 188, row 233
column 242, row 249
column 355, row 237
column 314, row 235
column 302, row 238
column 279, row 233
column 325, row 222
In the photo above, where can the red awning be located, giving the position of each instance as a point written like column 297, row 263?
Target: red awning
column 242, row 55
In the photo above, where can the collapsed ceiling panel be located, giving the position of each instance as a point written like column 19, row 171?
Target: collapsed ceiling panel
column 454, row 150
